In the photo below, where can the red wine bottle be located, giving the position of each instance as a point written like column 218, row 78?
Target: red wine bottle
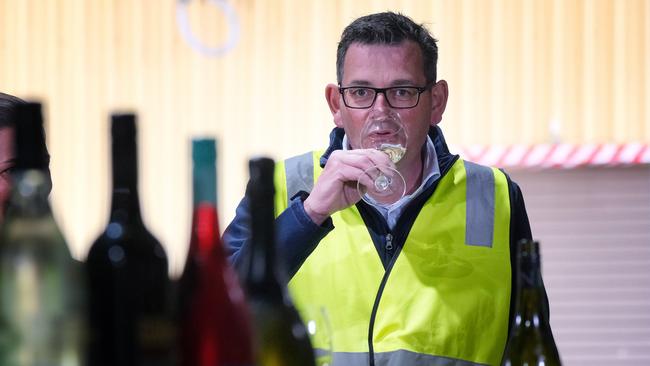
column 129, row 289
column 214, row 327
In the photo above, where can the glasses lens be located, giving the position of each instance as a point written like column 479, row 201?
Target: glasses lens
column 359, row 97
column 402, row 97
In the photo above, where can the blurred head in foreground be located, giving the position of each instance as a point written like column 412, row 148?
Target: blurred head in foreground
column 8, row 104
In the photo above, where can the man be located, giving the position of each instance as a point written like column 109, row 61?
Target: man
column 424, row 281
column 7, row 155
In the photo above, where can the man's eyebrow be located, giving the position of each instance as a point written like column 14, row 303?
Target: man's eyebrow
column 398, row 82
column 359, row 83
column 402, row 82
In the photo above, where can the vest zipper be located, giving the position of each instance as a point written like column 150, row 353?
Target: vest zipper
column 373, row 314
column 402, row 234
column 389, row 241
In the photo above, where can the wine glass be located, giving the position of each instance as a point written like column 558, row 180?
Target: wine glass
column 384, row 131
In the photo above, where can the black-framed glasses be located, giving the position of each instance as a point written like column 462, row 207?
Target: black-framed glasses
column 399, row 97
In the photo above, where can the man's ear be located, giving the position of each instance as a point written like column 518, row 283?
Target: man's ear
column 439, row 94
column 333, row 98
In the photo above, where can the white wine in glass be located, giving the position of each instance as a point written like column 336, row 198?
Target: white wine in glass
column 394, row 151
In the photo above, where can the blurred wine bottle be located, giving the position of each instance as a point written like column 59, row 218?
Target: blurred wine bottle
column 215, row 327
column 130, row 314
column 42, row 319
column 531, row 340
column 281, row 337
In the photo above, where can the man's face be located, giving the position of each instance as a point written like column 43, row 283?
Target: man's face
column 383, row 66
column 6, row 163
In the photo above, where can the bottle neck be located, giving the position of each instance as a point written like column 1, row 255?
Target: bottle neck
column 530, row 310
column 262, row 273
column 205, row 225
column 125, row 202
column 205, row 232
column 204, row 185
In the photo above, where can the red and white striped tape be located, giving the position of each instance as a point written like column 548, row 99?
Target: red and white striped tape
column 556, row 155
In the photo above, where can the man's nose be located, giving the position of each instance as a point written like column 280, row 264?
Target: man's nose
column 381, row 103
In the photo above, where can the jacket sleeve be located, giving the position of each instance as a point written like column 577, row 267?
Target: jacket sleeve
column 519, row 229
column 519, row 224
column 296, row 235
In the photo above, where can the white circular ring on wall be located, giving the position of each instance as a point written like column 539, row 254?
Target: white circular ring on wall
column 184, row 27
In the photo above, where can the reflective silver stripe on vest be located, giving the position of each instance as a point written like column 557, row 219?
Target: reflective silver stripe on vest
column 397, row 358
column 479, row 227
column 300, row 174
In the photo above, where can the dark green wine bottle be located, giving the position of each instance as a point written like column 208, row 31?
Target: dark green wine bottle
column 130, row 315
column 531, row 340
column 281, row 337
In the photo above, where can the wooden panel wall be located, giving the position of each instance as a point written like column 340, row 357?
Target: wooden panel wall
column 515, row 68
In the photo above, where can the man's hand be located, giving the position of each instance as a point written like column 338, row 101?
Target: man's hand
column 336, row 187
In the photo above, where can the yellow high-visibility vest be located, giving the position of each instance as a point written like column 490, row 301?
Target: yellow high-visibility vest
column 445, row 297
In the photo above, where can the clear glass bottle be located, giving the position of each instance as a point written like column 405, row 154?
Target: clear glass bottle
column 42, row 292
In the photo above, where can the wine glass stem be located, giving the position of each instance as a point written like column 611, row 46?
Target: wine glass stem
column 382, row 183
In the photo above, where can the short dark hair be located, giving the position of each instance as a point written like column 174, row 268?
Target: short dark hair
column 391, row 29
column 7, row 105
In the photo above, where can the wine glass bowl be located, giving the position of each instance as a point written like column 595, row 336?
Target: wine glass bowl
column 383, row 131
